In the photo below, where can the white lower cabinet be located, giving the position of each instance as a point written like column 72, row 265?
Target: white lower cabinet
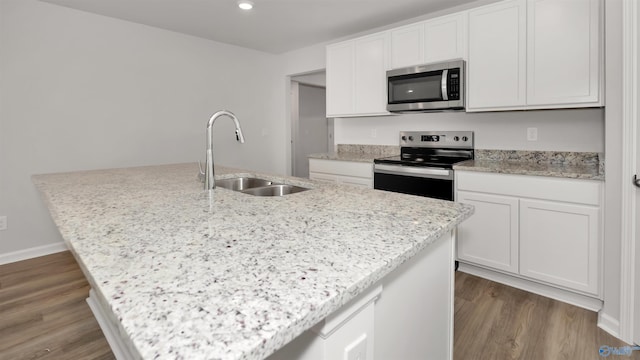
column 342, row 172
column 495, row 222
column 531, row 228
column 559, row 243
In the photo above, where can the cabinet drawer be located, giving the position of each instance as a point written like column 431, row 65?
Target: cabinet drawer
column 557, row 189
column 345, row 168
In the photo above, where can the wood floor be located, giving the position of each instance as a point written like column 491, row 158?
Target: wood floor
column 494, row 321
column 43, row 315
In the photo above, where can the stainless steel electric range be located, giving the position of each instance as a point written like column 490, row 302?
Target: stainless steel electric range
column 425, row 164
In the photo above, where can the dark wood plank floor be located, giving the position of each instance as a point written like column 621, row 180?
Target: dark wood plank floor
column 43, row 315
column 494, row 321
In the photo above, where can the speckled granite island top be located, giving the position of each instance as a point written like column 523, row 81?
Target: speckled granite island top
column 226, row 275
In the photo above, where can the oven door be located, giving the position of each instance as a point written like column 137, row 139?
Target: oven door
column 422, row 181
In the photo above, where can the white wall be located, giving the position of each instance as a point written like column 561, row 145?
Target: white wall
column 610, row 315
column 560, row 130
column 83, row 91
column 297, row 63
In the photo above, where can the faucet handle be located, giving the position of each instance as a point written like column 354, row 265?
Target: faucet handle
column 201, row 172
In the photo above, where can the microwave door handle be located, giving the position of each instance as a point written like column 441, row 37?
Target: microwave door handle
column 443, row 85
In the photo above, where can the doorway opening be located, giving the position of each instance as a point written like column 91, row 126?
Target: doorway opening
column 311, row 131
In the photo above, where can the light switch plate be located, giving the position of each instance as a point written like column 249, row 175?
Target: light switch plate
column 3, row 223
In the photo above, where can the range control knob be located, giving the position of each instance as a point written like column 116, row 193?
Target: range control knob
column 404, row 138
column 455, row 138
column 464, row 138
column 410, row 138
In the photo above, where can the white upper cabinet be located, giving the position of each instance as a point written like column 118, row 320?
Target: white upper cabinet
column 535, row 54
column 521, row 54
column 407, row 46
column 563, row 52
column 497, row 56
column 445, row 38
column 340, row 74
column 371, row 63
column 439, row 39
column 356, row 76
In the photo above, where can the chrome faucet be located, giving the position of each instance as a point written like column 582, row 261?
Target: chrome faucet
column 209, row 182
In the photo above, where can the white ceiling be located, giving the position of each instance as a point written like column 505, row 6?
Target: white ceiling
column 273, row 26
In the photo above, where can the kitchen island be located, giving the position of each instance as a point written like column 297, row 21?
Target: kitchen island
column 182, row 273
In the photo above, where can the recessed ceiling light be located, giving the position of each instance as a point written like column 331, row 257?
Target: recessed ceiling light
column 245, row 5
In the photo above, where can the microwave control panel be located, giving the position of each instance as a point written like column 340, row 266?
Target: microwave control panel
column 453, row 82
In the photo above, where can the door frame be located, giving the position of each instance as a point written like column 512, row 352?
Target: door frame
column 630, row 260
column 293, row 84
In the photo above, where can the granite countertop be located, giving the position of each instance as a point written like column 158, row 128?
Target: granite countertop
column 194, row 274
column 358, row 153
column 573, row 165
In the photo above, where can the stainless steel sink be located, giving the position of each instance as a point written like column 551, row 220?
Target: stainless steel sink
column 275, row 190
column 258, row 187
column 242, row 183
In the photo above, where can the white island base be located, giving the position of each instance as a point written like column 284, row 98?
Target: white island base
column 406, row 315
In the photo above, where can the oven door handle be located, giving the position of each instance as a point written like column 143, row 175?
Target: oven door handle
column 425, row 172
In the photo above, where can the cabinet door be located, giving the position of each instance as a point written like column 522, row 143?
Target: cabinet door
column 407, row 46
column 497, row 56
column 490, row 236
column 559, row 244
column 371, row 74
column 445, row 38
column 340, row 77
column 563, row 52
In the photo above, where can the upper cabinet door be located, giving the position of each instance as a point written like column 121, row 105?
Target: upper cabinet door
column 407, row 46
column 497, row 56
column 445, row 38
column 563, row 50
column 371, row 63
column 340, row 74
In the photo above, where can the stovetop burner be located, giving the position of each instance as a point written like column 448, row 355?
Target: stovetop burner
column 432, row 149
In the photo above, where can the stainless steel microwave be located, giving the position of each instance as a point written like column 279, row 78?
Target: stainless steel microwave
column 429, row 87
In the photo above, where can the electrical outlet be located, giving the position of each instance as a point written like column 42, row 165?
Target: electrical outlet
column 3, row 223
column 357, row 350
column 374, row 133
column 532, row 134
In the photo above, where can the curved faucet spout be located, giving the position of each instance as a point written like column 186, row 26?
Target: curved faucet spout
column 209, row 182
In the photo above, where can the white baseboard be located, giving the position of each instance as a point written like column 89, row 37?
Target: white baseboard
column 567, row 296
column 33, row 252
column 609, row 324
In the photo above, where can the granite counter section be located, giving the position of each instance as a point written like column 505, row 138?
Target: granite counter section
column 574, row 165
column 358, row 153
column 193, row 274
